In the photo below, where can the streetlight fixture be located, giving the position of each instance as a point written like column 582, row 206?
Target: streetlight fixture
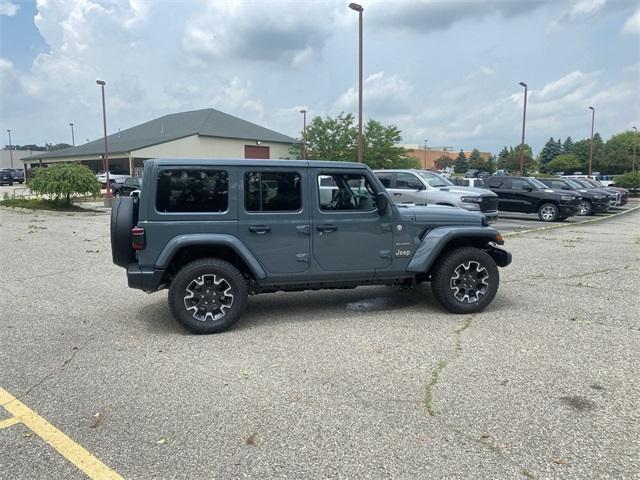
column 524, row 118
column 425, row 154
column 304, row 133
column 10, row 148
column 73, row 138
column 105, row 161
column 358, row 8
column 593, row 120
column 633, row 164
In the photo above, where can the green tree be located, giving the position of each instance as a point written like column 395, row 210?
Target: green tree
column 628, row 180
column 442, row 162
column 58, row 146
column 617, row 153
column 476, row 161
column 565, row 162
column 503, row 157
column 509, row 159
column 567, row 146
column 548, row 152
column 64, row 180
column 337, row 139
column 461, row 165
column 490, row 166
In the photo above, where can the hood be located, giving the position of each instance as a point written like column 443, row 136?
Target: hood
column 436, row 215
column 467, row 190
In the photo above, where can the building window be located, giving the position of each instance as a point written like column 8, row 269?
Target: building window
column 190, row 190
column 272, row 192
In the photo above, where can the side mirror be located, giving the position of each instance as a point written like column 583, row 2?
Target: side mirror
column 382, row 202
column 527, row 188
column 565, row 187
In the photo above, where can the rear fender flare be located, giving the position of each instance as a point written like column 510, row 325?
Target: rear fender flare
column 436, row 240
column 181, row 241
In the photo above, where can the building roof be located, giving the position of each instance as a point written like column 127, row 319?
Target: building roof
column 207, row 122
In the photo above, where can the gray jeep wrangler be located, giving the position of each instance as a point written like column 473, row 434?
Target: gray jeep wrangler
column 215, row 231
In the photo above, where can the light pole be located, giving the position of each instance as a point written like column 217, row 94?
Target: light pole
column 633, row 163
column 304, row 133
column 105, row 161
column 10, row 148
column 73, row 138
column 359, row 9
column 593, row 120
column 524, row 118
column 424, row 165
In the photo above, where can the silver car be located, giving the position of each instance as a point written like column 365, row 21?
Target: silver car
column 424, row 187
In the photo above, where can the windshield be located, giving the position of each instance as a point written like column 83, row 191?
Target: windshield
column 583, row 183
column 593, row 183
column 538, row 183
column 434, row 179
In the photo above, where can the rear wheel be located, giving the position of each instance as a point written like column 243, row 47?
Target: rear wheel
column 465, row 280
column 548, row 212
column 208, row 295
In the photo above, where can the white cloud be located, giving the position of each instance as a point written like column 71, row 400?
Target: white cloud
column 8, row 9
column 632, row 25
column 383, row 94
column 579, row 11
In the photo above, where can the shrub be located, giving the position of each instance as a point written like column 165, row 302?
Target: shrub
column 628, row 180
column 64, row 180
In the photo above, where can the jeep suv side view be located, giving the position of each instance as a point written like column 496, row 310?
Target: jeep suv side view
column 424, row 187
column 593, row 201
column 529, row 195
column 215, row 231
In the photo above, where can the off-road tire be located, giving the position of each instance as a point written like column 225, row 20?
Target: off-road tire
column 124, row 215
column 443, row 277
column 548, row 212
column 205, row 270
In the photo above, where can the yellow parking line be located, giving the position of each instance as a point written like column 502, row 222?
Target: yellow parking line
column 8, row 422
column 69, row 449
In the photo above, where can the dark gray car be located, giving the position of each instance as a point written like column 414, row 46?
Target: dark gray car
column 215, row 231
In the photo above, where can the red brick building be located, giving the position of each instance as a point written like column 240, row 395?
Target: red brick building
column 428, row 157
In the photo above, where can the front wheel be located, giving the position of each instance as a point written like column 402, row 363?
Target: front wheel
column 208, row 295
column 548, row 212
column 585, row 208
column 465, row 280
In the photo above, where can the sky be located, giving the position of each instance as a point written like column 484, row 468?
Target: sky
column 442, row 70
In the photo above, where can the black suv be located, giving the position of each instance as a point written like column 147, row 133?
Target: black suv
column 529, row 195
column 6, row 178
column 129, row 185
column 593, row 201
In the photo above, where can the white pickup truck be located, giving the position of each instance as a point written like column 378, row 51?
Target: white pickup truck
column 114, row 177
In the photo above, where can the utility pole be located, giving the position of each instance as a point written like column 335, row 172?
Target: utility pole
column 524, row 118
column 359, row 9
column 593, row 120
column 102, row 83
column 304, row 133
column 73, row 138
column 10, row 148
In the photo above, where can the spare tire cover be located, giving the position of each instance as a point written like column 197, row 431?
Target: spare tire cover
column 123, row 217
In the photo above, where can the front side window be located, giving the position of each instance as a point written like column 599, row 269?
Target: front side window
column 407, row 181
column 351, row 192
column 272, row 192
column 518, row 184
column 495, row 183
column 192, row 190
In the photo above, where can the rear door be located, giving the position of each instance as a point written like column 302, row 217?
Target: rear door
column 273, row 220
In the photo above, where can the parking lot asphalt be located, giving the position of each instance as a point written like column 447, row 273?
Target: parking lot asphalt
column 374, row 382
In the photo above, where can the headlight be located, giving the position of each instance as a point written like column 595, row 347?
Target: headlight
column 471, row 199
column 598, row 197
column 567, row 198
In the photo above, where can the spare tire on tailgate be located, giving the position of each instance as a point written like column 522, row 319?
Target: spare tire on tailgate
column 124, row 216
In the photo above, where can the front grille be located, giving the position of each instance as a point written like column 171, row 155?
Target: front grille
column 489, row 203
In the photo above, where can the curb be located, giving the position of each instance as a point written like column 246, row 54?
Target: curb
column 563, row 225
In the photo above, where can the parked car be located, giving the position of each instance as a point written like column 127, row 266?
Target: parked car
column 125, row 188
column 476, row 182
column 593, row 201
column 529, row 195
column 615, row 197
column 424, row 187
column 623, row 192
column 215, row 231
column 17, row 174
column 115, row 176
column 6, row 178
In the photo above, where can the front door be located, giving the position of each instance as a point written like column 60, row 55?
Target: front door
column 273, row 221
column 408, row 188
column 347, row 232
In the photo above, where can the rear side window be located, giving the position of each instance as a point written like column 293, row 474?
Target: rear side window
column 272, row 192
column 495, row 183
column 191, row 190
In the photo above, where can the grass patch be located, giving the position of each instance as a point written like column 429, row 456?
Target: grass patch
column 428, row 396
column 42, row 204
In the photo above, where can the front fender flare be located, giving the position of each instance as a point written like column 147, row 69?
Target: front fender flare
column 181, row 241
column 435, row 240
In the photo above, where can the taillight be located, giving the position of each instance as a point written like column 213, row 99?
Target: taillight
column 137, row 238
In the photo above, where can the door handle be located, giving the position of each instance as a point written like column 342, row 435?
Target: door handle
column 327, row 228
column 303, row 229
column 397, row 194
column 259, row 229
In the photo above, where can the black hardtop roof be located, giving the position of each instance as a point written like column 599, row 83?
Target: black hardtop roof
column 203, row 162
